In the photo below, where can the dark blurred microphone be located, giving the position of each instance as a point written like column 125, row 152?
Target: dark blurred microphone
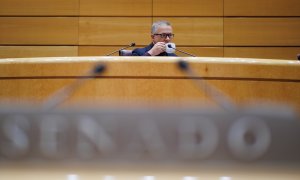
column 298, row 57
column 64, row 93
column 170, row 46
column 130, row 45
column 214, row 93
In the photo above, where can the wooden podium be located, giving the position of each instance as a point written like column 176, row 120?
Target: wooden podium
column 151, row 80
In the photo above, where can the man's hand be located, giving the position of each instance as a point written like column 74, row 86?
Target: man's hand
column 158, row 48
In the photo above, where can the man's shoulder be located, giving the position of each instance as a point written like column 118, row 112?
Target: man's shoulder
column 141, row 51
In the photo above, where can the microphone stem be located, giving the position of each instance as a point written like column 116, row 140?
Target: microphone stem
column 66, row 92
column 217, row 96
column 118, row 50
column 62, row 94
column 184, row 52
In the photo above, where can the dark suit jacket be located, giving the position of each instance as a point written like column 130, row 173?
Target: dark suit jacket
column 143, row 51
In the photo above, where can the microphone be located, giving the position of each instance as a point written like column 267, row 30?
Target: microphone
column 130, row 45
column 219, row 97
column 64, row 93
column 170, row 46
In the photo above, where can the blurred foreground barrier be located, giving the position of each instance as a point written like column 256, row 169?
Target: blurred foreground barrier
column 151, row 79
column 261, row 132
column 144, row 134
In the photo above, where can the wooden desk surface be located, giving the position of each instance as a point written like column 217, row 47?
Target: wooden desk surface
column 151, row 79
column 151, row 66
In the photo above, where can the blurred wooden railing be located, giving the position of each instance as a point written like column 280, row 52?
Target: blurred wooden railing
column 151, row 79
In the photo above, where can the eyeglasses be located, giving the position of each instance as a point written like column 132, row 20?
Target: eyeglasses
column 165, row 35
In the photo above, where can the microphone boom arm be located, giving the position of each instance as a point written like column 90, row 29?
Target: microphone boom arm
column 181, row 51
column 130, row 45
column 185, row 52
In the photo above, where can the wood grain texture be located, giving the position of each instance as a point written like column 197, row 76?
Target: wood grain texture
column 263, row 52
column 152, row 79
column 178, row 91
column 262, row 31
column 116, row 8
column 114, row 30
column 37, row 51
column 261, row 8
column 39, row 7
column 151, row 67
column 39, row 30
column 198, row 31
column 187, row 8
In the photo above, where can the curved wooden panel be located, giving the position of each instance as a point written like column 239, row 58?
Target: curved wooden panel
column 262, row 31
column 187, row 8
column 39, row 7
column 261, row 8
column 197, row 51
column 152, row 90
column 263, row 52
column 151, row 66
column 39, row 30
column 114, row 30
column 116, row 8
column 196, row 31
column 152, row 79
column 37, row 51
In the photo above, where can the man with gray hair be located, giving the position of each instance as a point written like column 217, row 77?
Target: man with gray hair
column 161, row 34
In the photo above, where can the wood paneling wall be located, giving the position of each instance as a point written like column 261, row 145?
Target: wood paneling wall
column 39, row 30
column 262, row 8
column 262, row 31
column 228, row 28
column 116, row 8
column 187, row 8
column 37, row 51
column 114, row 31
column 39, row 8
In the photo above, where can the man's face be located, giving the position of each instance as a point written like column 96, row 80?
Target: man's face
column 160, row 34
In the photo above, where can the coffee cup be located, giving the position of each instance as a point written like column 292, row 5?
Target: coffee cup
column 170, row 47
